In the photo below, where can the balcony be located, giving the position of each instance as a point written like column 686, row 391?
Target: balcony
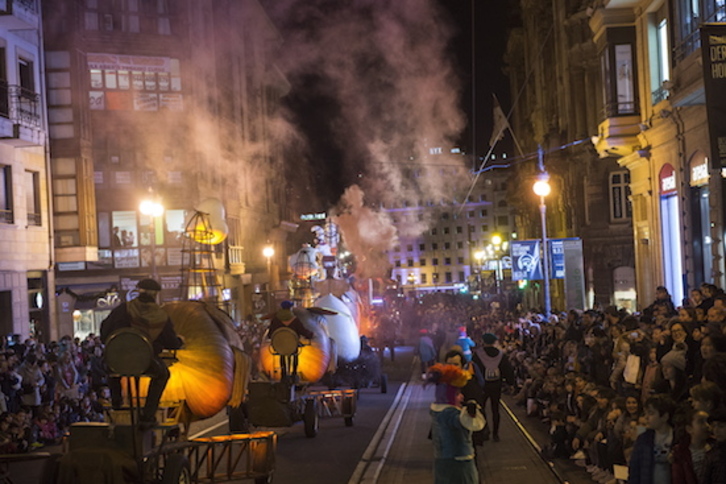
column 618, row 136
column 20, row 116
column 235, row 256
column 19, row 14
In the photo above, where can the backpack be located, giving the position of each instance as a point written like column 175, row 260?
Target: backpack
column 491, row 365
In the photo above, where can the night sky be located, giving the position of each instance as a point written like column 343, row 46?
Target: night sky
column 320, row 117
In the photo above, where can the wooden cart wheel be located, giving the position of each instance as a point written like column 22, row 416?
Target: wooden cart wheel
column 176, row 470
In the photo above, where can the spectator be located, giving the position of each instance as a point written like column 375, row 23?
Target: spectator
column 689, row 452
column 649, row 462
column 714, row 465
column 32, row 382
column 67, row 377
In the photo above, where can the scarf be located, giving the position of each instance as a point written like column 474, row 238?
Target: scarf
column 147, row 317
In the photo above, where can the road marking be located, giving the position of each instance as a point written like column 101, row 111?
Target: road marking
column 365, row 472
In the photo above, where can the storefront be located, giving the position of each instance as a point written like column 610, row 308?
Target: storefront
column 700, row 219
column 670, row 223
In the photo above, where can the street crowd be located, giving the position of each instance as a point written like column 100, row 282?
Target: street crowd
column 46, row 388
column 637, row 394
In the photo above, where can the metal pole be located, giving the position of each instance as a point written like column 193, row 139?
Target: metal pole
column 545, row 256
column 153, row 248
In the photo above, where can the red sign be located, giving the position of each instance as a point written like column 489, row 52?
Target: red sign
column 667, row 177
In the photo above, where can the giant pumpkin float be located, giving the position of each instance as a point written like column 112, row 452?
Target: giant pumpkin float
column 212, row 372
column 314, row 359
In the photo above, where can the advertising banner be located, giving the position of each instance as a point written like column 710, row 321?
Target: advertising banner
column 713, row 52
column 574, row 274
column 525, row 260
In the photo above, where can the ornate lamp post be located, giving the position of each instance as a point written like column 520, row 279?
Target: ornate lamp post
column 153, row 210
column 542, row 189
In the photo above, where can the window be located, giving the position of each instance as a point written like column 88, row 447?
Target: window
column 462, row 276
column 409, row 248
column 422, row 247
column 459, row 260
column 6, row 195
column 435, row 277
column 422, row 262
column 434, row 231
column 26, row 78
column 434, row 246
column 459, row 230
column 409, row 262
column 483, row 213
column 659, row 55
column 483, row 198
column 435, row 261
column 424, row 279
column 447, row 245
column 472, row 229
column 447, row 261
column 502, row 203
column 448, row 277
column 445, row 216
column 484, row 227
column 397, row 263
column 503, row 220
column 32, row 197
column 617, row 64
column 446, row 230
column 470, row 214
column 460, row 245
column 620, row 207
column 690, row 14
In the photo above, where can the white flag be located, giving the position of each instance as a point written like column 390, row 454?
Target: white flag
column 500, row 123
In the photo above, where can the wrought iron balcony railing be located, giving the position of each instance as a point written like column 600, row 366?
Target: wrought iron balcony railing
column 24, row 106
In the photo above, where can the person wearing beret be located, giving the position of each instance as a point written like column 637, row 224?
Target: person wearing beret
column 144, row 314
column 495, row 369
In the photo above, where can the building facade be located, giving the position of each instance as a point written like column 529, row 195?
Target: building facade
column 170, row 101
column 26, row 258
column 442, row 244
column 655, row 123
column 554, row 73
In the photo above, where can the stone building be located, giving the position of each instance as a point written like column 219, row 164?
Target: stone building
column 167, row 100
column 26, row 249
column 557, row 95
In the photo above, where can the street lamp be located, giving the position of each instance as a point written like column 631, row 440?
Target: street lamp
column 268, row 251
column 479, row 256
column 542, row 188
column 498, row 248
column 152, row 209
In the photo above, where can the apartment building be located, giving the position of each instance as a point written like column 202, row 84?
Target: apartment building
column 169, row 102
column 441, row 255
column 26, row 254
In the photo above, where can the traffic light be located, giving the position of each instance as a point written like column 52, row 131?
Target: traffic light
column 522, row 284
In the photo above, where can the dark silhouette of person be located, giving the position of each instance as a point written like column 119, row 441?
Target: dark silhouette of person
column 115, row 238
column 285, row 318
column 145, row 315
column 495, row 369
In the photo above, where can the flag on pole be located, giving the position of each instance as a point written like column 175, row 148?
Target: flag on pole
column 500, row 123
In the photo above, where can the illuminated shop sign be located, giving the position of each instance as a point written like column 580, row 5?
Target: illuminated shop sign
column 667, row 180
column 699, row 172
column 313, row 216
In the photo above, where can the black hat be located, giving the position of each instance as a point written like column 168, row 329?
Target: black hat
column 148, row 285
column 489, row 338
